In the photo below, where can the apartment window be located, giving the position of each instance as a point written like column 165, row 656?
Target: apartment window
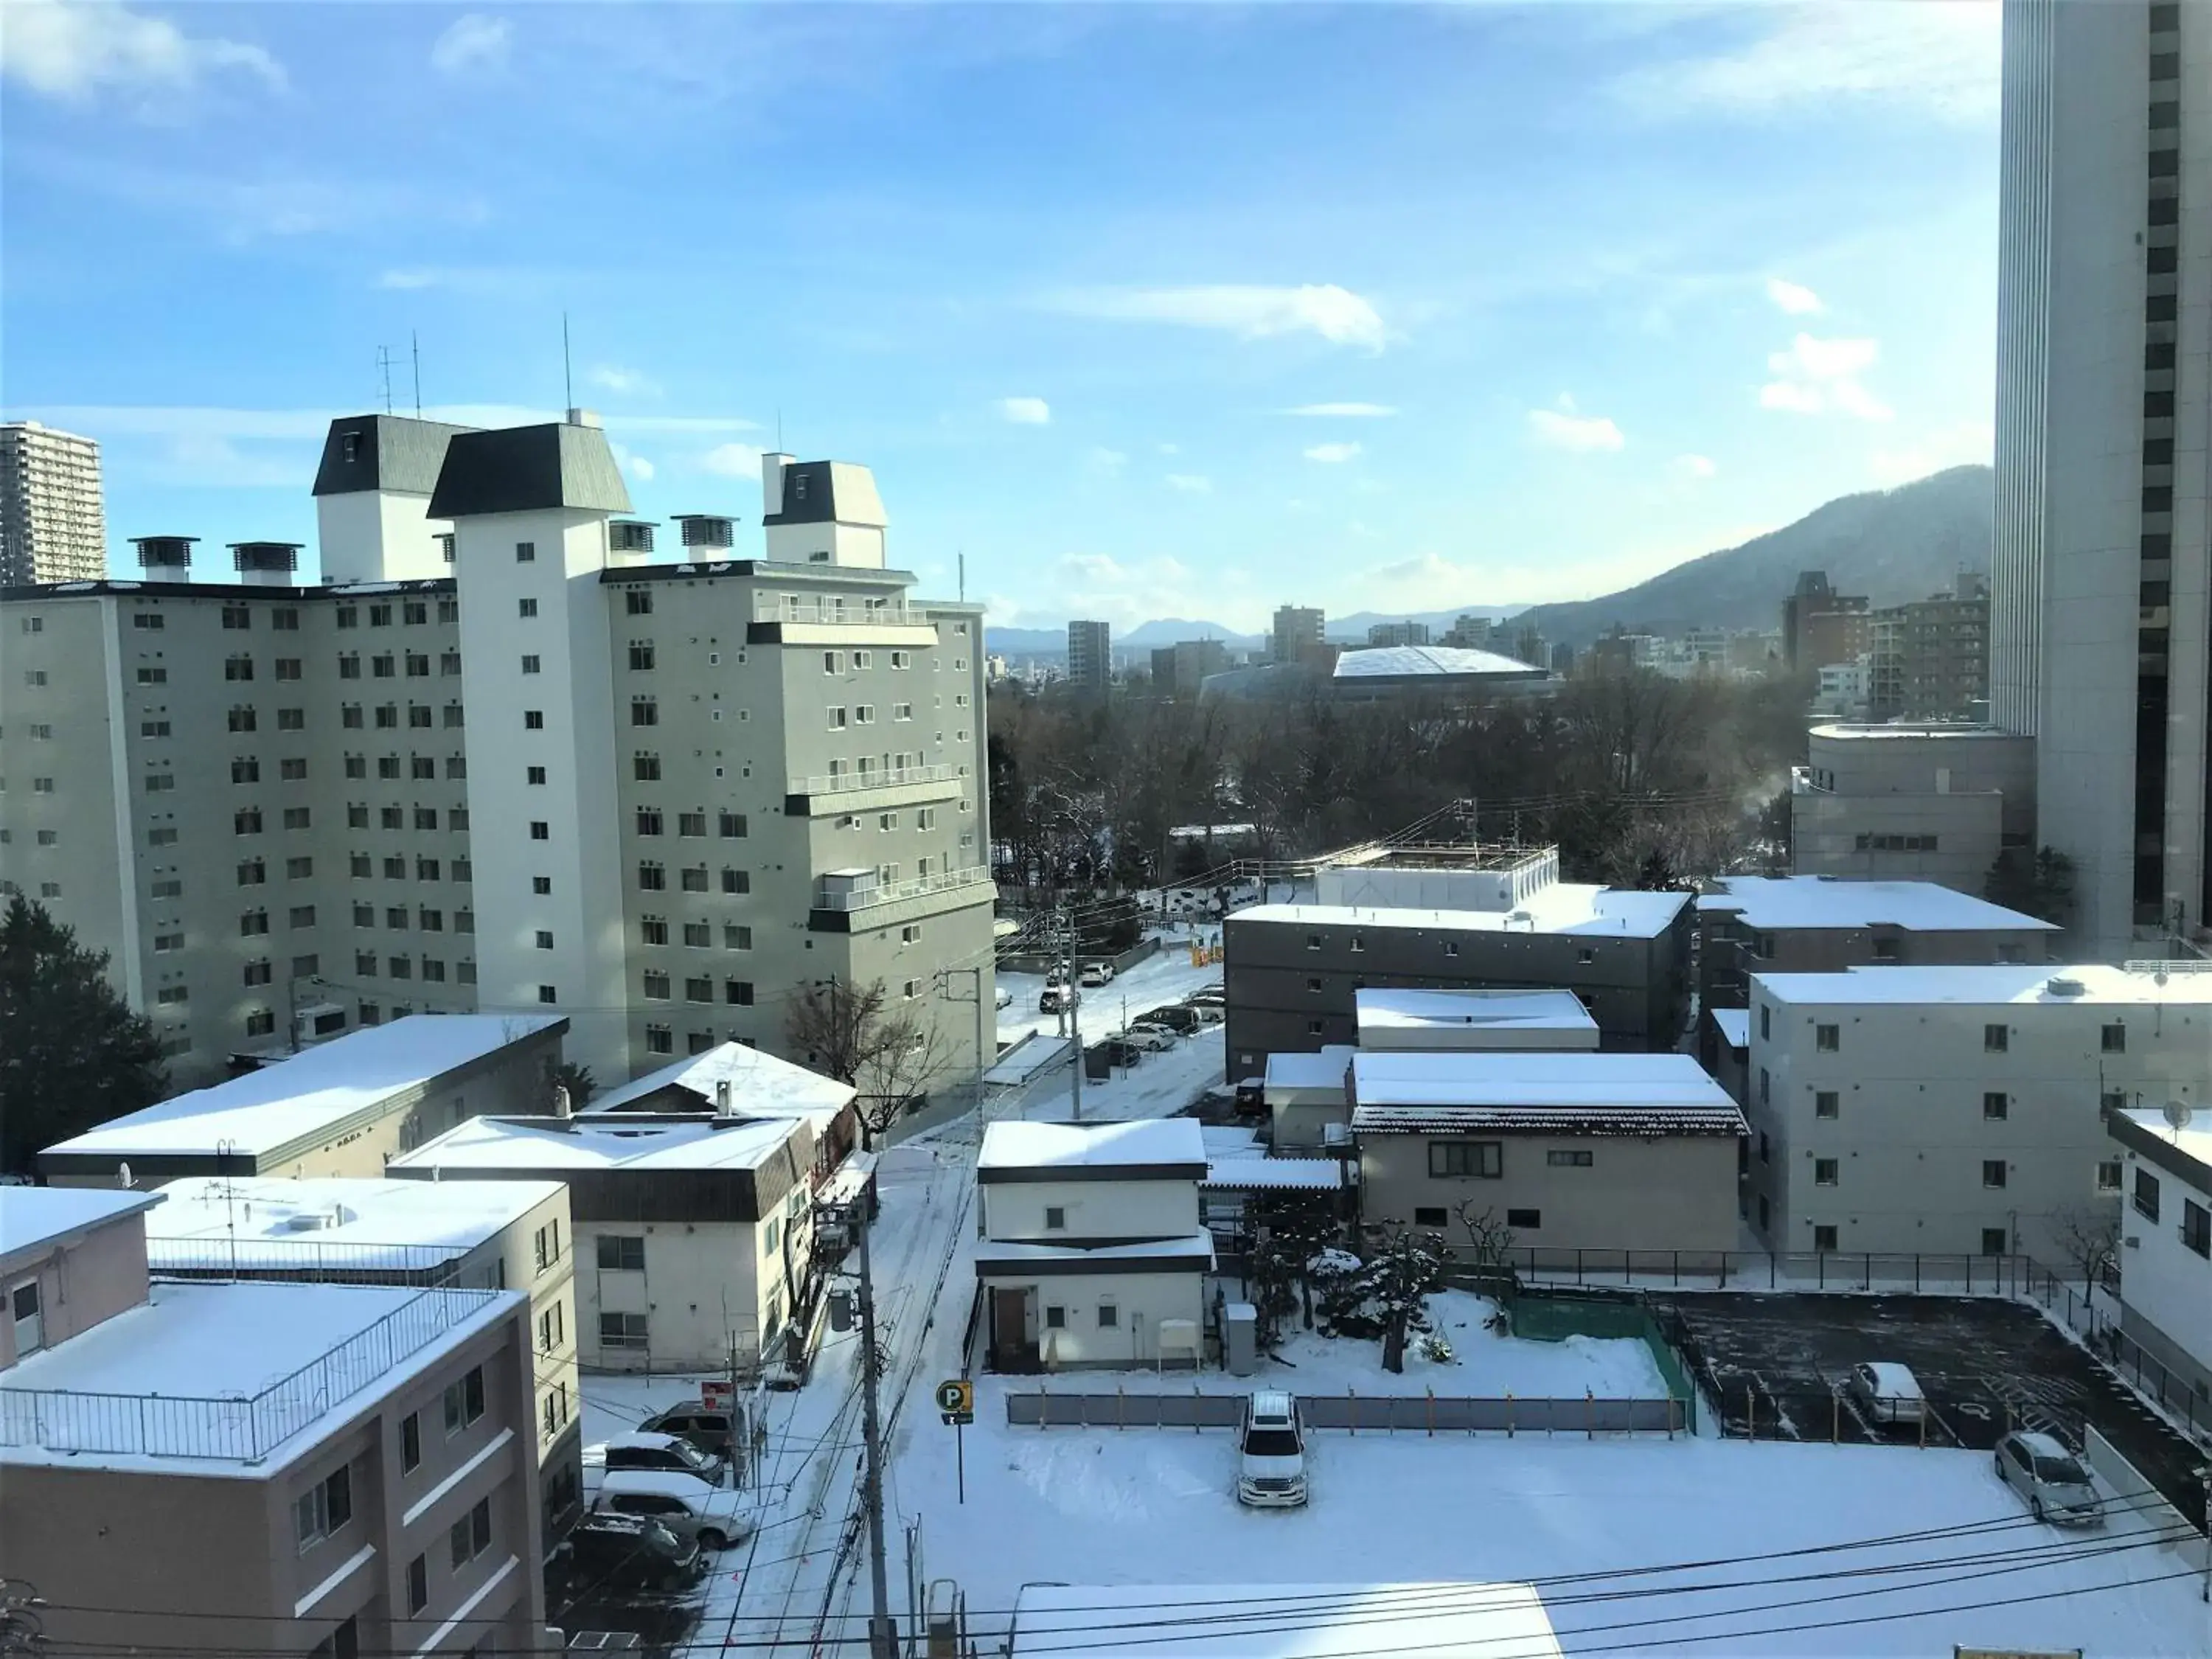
column 325, row 1508
column 1995, row 1039
column 652, row 877
column 2146, row 1195
column 418, row 1585
column 1358, row 943
column 1996, row 1105
column 638, row 602
column 300, row 916
column 1482, row 1159
column 645, row 769
column 736, row 936
column 733, row 881
column 1825, row 1171
column 653, row 930
column 2113, row 1038
column 902, row 659
column 294, row 770
column 296, row 818
column 699, row 989
column 737, row 992
column 656, row 984
column 1824, row 1238
column 544, row 938
column 252, row 924
column 526, row 552
column 1313, row 1028
column 2196, row 1227
column 623, row 1331
column 1827, row 1038
column 690, row 824
column 694, row 879
column 644, row 711
column 472, row 1535
column 411, row 1426
column 1765, row 1088
column 387, row 716
column 533, row 720
column 731, row 825
column 530, row 665
column 549, row 993
column 150, row 676
column 2108, row 1176
column 648, row 821
column 1569, row 1157
column 252, row 872
column 465, row 1400
column 1827, row 1103
column 621, row 1253
column 395, row 869
column 1765, row 1149
column 660, row 1040
column 172, row 995
column 640, row 655
column 1994, row 1241
column 287, row 668
column 165, row 943
column 392, row 817
column 1993, row 1172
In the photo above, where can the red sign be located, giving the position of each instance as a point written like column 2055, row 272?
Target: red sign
column 717, row 1396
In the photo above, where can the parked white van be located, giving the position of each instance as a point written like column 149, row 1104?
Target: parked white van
column 1271, row 1452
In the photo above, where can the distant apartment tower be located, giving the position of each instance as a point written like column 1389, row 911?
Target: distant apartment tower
column 1297, row 634
column 1930, row 660
column 1090, row 657
column 1821, row 626
column 1471, row 633
column 659, row 809
column 1180, row 669
column 1398, row 633
column 2101, row 626
column 52, row 527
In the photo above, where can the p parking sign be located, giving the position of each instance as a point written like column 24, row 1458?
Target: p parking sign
column 956, row 1399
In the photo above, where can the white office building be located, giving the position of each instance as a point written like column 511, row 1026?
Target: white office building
column 2101, row 610
column 1957, row 1109
column 53, row 526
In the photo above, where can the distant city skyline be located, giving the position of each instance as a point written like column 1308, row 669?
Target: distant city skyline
column 1555, row 298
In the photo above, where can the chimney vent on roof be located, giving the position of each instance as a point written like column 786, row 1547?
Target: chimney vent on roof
column 164, row 552
column 706, row 530
column 2061, row 986
column 265, row 564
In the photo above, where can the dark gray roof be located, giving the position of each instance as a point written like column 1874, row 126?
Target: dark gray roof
column 810, row 496
column 391, row 451
column 527, row 469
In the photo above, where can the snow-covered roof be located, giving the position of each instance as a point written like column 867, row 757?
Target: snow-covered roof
column 1439, row 661
column 1735, row 1025
column 759, row 1086
column 1284, row 1621
column 1324, row 1070
column 214, row 1355
column 1142, row 1148
column 1029, row 1054
column 313, row 1092
column 1590, row 1093
column 615, row 1140
column 267, row 1221
column 1393, row 1008
column 1275, row 1175
column 31, row 1217
column 2195, row 1141
column 1186, row 1249
column 1991, row 986
column 1565, row 907
column 1781, row 903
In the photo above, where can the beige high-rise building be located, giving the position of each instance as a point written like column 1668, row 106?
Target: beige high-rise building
column 51, row 525
column 662, row 810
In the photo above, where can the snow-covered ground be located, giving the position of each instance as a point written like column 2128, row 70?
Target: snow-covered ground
column 1588, row 1520
column 1167, row 975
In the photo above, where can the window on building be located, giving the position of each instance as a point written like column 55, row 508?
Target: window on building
column 1995, row 1039
column 2146, row 1195
column 1824, row 1236
column 1526, row 1221
column 465, row 1400
column 736, row 937
column 648, row 821
column 2108, row 1176
column 621, row 1253
column 690, row 824
column 644, row 711
column 411, row 1426
column 660, row 1040
column 640, row 655
column 1827, row 1103
column 1996, row 1105
column 656, row 984
column 533, row 720
column 1994, row 1241
column 1569, row 1157
column 1993, row 1172
column 418, row 1585
column 1828, row 1039
column 638, row 602
column 1826, row 1172
column 471, row 1535
column 526, row 552
column 652, row 877
column 324, row 1508
column 2113, row 1038
column 1480, row 1159
column 2196, row 1227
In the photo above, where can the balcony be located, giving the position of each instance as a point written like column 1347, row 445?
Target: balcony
column 877, row 788
column 847, row 901
column 832, row 619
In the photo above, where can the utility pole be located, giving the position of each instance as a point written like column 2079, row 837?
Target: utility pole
column 22, row 1630
column 882, row 1632
column 1074, row 1014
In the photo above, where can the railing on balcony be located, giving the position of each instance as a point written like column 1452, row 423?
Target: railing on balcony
column 834, row 610
column 876, row 777
column 973, row 875
column 243, row 1428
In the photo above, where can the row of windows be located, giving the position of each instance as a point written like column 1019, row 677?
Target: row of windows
column 387, row 717
column 413, row 612
column 697, row 935
column 737, row 993
column 650, row 821
column 397, row 967
column 395, row 817
column 385, row 665
column 652, row 878
column 661, row 1040
column 398, row 918
column 362, row 867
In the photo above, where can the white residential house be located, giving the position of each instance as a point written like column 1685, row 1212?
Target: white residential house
column 2166, row 1232
column 1092, row 1250
column 694, row 1232
column 1308, row 1106
column 479, row 1235
column 734, row 1080
column 1956, row 1109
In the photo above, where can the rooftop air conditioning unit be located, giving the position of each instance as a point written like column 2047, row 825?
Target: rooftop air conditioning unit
column 2066, row 987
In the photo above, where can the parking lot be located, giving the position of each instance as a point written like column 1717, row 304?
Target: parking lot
column 1773, row 1366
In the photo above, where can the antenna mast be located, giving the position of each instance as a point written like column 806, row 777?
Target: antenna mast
column 415, row 350
column 567, row 384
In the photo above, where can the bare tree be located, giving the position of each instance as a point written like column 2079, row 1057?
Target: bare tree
column 856, row 1035
column 2089, row 1235
column 1489, row 1240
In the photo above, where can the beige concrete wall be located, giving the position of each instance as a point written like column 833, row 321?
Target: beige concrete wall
column 705, row 1285
column 1141, row 1301
column 1093, row 1209
column 1673, row 1193
column 96, row 1278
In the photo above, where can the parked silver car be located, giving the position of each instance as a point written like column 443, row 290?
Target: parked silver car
column 2058, row 1486
column 717, row 1516
column 1887, row 1393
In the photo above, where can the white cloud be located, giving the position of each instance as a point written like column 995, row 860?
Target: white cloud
column 732, row 461
column 1249, row 311
column 473, row 42
column 1969, row 442
column 1564, row 429
column 1190, row 483
column 1938, row 56
column 636, row 464
column 1331, row 454
column 73, row 49
column 1692, row 466
column 1816, row 376
column 1102, row 460
column 1793, row 297
column 1025, row 412
column 1426, row 581
column 1093, row 566
column 1170, row 449
column 627, row 382
column 1345, row 412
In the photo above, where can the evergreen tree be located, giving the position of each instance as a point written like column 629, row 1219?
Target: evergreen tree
column 72, row 1054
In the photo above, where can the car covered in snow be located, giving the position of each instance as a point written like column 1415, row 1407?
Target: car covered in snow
column 630, row 1552
column 1004, row 998
column 1271, row 1452
column 688, row 1506
column 1096, row 972
column 648, row 1448
column 1173, row 1017
column 1886, row 1392
column 2057, row 1486
column 1157, row 1038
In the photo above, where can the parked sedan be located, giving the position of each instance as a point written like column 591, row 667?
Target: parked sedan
column 1096, row 972
column 716, row 1516
column 1887, row 1393
column 1117, row 1051
column 1157, row 1038
column 1176, row 1017
column 705, row 1426
column 648, row 1448
column 2057, row 1486
column 631, row 1551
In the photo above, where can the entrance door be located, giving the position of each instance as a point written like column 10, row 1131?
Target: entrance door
column 1010, row 1346
column 30, row 1322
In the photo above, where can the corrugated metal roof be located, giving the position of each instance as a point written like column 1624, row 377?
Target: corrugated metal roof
column 390, row 451
column 528, row 469
column 1642, row 1122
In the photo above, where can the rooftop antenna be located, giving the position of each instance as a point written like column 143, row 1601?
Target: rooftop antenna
column 384, row 374
column 779, row 432
column 568, row 383
column 415, row 351
column 963, row 576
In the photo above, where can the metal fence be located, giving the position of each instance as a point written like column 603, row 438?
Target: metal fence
column 1796, row 1270
column 1355, row 1413
column 243, row 1429
column 2067, row 1300
column 303, row 1260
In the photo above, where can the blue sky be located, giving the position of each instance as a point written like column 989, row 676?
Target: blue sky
column 1148, row 310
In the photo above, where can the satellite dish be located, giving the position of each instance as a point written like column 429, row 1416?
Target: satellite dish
column 2178, row 1115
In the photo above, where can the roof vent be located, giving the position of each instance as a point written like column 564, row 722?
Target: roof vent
column 269, row 564
column 164, row 552
column 2066, row 987
column 316, row 1221
column 706, row 530
column 629, row 536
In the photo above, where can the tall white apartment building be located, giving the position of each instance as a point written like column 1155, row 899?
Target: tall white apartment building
column 1951, row 1110
column 675, row 795
column 51, row 525
column 2101, row 607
